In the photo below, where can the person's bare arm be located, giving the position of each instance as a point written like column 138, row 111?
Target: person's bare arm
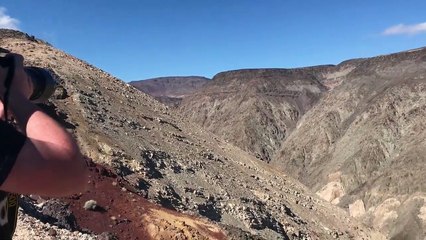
column 50, row 162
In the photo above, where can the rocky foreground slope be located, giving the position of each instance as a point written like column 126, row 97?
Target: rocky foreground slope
column 149, row 153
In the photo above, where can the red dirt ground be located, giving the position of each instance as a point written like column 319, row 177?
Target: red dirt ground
column 130, row 216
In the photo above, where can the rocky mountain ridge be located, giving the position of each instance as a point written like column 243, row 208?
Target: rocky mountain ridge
column 256, row 109
column 362, row 145
column 274, row 100
column 354, row 132
column 170, row 90
column 175, row 164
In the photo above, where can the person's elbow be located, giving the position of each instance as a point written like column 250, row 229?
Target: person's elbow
column 81, row 176
column 72, row 176
column 78, row 175
column 48, row 170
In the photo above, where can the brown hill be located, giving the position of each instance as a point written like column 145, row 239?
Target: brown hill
column 172, row 163
column 170, row 90
column 363, row 144
column 256, row 109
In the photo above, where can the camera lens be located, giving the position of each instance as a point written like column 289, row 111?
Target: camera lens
column 43, row 83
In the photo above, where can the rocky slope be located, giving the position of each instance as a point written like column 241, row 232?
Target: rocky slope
column 362, row 146
column 170, row 90
column 354, row 132
column 174, row 164
column 254, row 109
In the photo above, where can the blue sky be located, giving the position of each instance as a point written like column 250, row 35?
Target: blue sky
column 142, row 39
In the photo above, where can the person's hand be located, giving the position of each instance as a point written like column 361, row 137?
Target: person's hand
column 1, row 110
column 21, row 84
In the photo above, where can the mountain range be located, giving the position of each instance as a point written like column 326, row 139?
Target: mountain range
column 353, row 133
column 170, row 90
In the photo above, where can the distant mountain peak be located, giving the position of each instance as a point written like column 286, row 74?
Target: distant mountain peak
column 171, row 90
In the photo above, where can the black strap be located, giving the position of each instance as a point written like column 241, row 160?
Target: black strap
column 8, row 62
column 11, row 143
column 6, row 166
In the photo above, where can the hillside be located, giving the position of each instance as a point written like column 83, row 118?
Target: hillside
column 362, row 145
column 170, row 90
column 255, row 109
column 354, row 133
column 211, row 189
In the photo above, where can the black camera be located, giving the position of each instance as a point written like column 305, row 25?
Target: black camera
column 43, row 82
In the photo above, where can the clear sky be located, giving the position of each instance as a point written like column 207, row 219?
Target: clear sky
column 139, row 39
